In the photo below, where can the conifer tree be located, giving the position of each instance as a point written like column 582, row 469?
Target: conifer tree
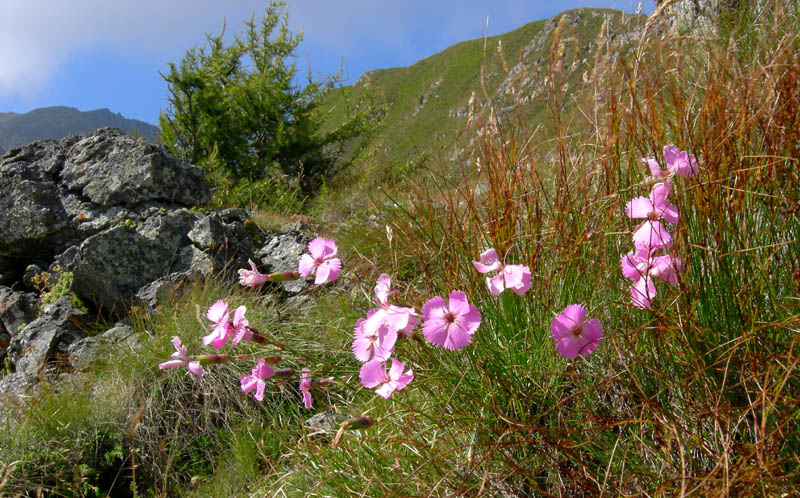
column 240, row 104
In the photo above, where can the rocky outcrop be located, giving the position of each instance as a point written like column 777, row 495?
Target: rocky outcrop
column 108, row 217
column 61, row 192
column 45, row 340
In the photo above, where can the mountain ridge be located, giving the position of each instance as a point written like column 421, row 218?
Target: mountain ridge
column 56, row 122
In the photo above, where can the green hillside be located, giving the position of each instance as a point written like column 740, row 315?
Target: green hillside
column 427, row 104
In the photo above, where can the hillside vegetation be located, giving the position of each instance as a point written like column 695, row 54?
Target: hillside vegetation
column 695, row 393
column 427, row 104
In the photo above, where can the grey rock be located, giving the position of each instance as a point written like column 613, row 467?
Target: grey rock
column 281, row 252
column 323, row 422
column 62, row 192
column 13, row 388
column 111, row 267
column 17, row 309
column 40, row 222
column 223, row 235
column 85, row 351
column 110, row 168
column 47, row 338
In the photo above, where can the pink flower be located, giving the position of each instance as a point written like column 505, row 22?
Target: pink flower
column 514, row 277
column 641, row 266
column 378, row 343
column 219, row 314
column 397, row 318
column 678, row 161
column 642, row 293
column 320, row 260
column 652, row 233
column 252, row 277
column 305, row 387
column 239, row 327
column 179, row 359
column 641, row 263
column 255, row 380
column 374, row 374
column 450, row 326
column 573, row 334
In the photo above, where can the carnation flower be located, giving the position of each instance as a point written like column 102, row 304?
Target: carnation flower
column 450, row 326
column 252, row 277
column 678, row 161
column 179, row 359
column 652, row 234
column 255, row 380
column 320, row 261
column 378, row 343
column 514, row 277
column 641, row 266
column 223, row 329
column 374, row 374
column 398, row 318
column 305, row 387
column 574, row 335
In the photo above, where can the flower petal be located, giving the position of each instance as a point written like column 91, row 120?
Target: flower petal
column 195, row 368
column 688, row 167
column 671, row 154
column 658, row 195
column 306, row 265
column 655, row 168
column 590, row 338
column 328, row 271
column 639, row 207
column 218, row 312
column 458, row 337
column 651, row 235
column 495, row 284
column 383, row 289
column 373, row 373
column 642, row 292
column 459, row 304
column 666, row 268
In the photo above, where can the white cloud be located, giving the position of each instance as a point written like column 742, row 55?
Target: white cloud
column 39, row 36
column 36, row 36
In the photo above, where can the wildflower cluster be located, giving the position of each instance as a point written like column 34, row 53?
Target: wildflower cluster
column 450, row 324
column 643, row 264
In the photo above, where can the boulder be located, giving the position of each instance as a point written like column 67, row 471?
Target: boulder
column 109, row 268
column 64, row 191
column 17, row 309
column 282, row 251
column 108, row 168
column 46, row 339
column 222, row 235
column 83, row 352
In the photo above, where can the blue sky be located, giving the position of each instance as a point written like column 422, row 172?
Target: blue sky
column 91, row 54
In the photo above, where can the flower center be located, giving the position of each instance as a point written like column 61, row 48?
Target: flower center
column 578, row 331
column 449, row 317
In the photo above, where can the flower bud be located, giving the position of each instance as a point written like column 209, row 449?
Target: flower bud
column 285, row 276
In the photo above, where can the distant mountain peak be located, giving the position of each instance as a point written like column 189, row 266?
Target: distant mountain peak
column 56, row 122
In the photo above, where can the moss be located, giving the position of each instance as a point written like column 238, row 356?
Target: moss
column 56, row 284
